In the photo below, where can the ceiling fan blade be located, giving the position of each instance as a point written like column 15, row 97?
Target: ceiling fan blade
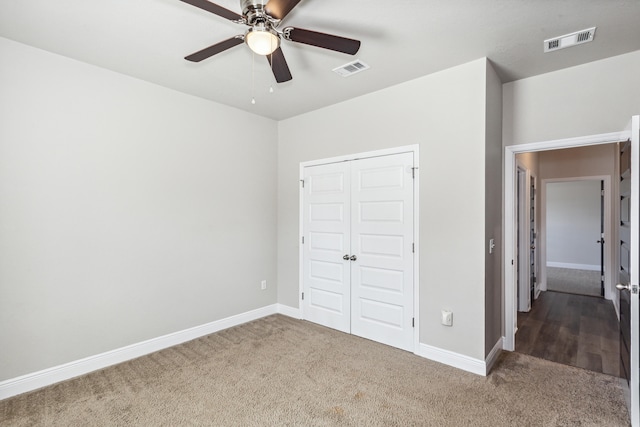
column 216, row 48
column 280, row 8
column 214, row 8
column 279, row 66
column 326, row 41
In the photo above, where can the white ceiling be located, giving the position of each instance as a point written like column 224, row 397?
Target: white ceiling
column 401, row 40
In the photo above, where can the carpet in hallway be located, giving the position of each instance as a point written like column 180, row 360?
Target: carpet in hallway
column 571, row 281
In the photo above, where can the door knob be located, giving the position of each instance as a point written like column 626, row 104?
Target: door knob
column 346, row 257
column 621, row 287
column 353, row 258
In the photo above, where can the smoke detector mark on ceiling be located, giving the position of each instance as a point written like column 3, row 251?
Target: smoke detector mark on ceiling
column 351, row 68
column 569, row 40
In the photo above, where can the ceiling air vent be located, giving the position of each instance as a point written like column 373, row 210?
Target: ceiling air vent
column 569, row 40
column 351, row 68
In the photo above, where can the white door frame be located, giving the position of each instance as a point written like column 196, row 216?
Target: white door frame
column 416, row 231
column 510, row 179
column 522, row 252
column 609, row 294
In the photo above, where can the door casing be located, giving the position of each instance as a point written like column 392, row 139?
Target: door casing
column 416, row 231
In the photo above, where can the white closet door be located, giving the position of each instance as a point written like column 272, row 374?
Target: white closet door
column 326, row 274
column 381, row 241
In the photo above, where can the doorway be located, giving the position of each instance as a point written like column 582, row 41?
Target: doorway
column 574, row 217
column 569, row 329
column 603, row 142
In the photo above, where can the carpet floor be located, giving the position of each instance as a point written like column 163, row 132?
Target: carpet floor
column 279, row 371
column 571, row 281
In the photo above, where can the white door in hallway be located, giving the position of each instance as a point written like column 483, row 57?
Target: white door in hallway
column 357, row 251
column 381, row 240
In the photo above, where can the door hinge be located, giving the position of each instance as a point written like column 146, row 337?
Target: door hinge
column 303, row 240
column 302, row 181
column 413, row 248
column 602, row 193
column 413, row 172
column 303, row 296
column 413, row 322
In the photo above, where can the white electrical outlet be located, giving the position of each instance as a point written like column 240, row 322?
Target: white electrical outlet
column 447, row 318
column 263, row 285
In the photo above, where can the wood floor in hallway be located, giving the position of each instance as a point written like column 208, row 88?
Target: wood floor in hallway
column 573, row 330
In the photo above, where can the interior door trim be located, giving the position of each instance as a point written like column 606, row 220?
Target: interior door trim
column 416, row 221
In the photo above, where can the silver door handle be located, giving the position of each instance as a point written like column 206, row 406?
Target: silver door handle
column 346, row 257
column 622, row 287
column 353, row 258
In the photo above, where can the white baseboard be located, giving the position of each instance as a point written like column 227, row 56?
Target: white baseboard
column 493, row 356
column 571, row 266
column 73, row 369
column 289, row 311
column 460, row 361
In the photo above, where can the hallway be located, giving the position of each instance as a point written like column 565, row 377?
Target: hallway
column 573, row 330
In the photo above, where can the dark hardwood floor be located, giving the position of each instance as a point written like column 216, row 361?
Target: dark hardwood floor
column 571, row 329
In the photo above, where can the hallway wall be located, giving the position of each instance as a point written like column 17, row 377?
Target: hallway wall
column 593, row 98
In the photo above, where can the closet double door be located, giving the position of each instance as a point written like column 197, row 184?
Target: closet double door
column 358, row 250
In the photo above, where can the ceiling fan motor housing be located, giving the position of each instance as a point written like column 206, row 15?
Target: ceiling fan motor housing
column 255, row 13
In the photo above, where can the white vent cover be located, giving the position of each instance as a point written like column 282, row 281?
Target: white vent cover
column 351, row 68
column 569, row 40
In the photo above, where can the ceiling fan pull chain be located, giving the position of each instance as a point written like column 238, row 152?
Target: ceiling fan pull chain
column 253, row 82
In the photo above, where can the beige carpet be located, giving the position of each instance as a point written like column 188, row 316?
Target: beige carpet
column 279, row 371
column 571, row 281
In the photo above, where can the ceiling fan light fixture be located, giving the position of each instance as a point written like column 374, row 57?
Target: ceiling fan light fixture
column 262, row 40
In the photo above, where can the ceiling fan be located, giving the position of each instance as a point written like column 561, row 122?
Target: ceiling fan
column 263, row 18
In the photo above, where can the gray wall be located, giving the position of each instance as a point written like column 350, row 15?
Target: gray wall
column 445, row 114
column 493, row 210
column 598, row 97
column 529, row 161
column 127, row 210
